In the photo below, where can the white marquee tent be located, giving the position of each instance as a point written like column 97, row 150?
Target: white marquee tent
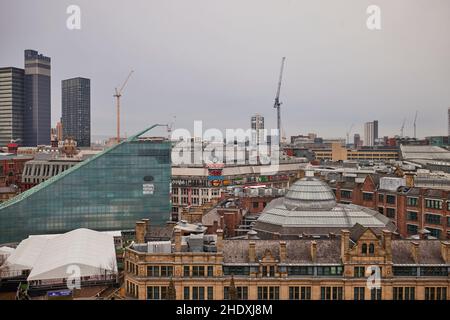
column 53, row 257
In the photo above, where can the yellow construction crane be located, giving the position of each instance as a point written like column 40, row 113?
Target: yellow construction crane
column 118, row 95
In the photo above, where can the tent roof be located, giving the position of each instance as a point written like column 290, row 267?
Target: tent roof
column 49, row 256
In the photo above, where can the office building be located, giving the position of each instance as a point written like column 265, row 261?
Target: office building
column 11, row 105
column 370, row 133
column 257, row 126
column 37, row 112
column 108, row 191
column 357, row 140
column 76, row 110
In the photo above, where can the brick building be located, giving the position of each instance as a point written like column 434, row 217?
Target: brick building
column 415, row 211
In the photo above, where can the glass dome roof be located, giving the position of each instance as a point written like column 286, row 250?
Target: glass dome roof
column 309, row 194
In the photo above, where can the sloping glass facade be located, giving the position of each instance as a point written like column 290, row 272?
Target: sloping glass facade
column 109, row 191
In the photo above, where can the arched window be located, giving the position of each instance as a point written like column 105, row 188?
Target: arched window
column 371, row 248
column 364, row 248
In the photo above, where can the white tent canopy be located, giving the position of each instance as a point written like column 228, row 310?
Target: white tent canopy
column 88, row 252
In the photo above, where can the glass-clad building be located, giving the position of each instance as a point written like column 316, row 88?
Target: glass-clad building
column 110, row 191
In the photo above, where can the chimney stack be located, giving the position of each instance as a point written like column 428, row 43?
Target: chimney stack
column 345, row 240
column 177, row 240
column 283, row 252
column 252, row 251
column 147, row 224
column 314, row 251
column 415, row 251
column 387, row 242
column 219, row 242
column 140, row 232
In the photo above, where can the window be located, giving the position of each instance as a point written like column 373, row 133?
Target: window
column 210, row 293
column 236, row 270
column 381, row 210
column 405, row 271
column 210, row 271
column 346, row 194
column 198, row 271
column 433, row 204
column 166, row 271
column 364, row 248
column 381, row 198
column 434, row 271
column 390, row 213
column 331, row 293
column 242, row 293
column 404, row 293
column 198, row 293
column 358, row 293
column 300, row 271
column 375, row 294
column 390, row 199
column 329, row 271
column 186, row 271
column 412, row 202
column 435, row 293
column 299, row 293
column 435, row 232
column 186, row 292
column 412, row 229
column 153, row 293
column 432, row 218
column 411, row 215
column 359, row 272
column 367, row 196
column 268, row 293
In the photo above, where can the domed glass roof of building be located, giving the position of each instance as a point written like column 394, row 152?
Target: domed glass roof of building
column 310, row 208
column 310, row 194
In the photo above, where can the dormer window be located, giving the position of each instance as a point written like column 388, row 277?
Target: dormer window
column 371, row 249
column 364, row 248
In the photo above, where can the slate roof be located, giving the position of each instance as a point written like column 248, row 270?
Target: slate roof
column 429, row 252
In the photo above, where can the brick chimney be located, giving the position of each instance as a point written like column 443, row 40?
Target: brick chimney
column 387, row 242
column 445, row 251
column 252, row 251
column 147, row 224
column 177, row 237
column 313, row 251
column 415, row 251
column 140, row 232
column 283, row 251
column 219, row 242
column 345, row 239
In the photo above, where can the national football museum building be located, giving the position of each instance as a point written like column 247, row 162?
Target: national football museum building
column 110, row 191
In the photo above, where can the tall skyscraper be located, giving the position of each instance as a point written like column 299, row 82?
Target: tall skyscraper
column 11, row 105
column 37, row 112
column 369, row 138
column 257, row 125
column 357, row 140
column 76, row 110
column 375, row 130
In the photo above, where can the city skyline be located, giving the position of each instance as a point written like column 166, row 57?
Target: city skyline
column 344, row 74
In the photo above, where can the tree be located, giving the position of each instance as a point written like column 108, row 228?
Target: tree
column 171, row 291
column 232, row 291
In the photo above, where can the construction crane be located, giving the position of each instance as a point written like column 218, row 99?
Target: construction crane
column 118, row 95
column 348, row 133
column 415, row 132
column 402, row 128
column 278, row 103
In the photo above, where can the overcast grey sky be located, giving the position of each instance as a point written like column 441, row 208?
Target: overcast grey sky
column 218, row 61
